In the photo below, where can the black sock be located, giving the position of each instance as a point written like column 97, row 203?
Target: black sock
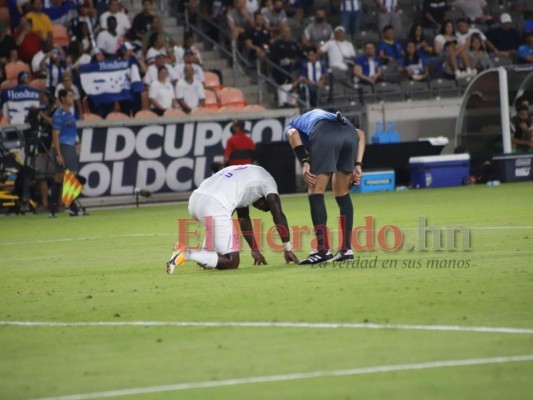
column 54, row 196
column 346, row 220
column 319, row 215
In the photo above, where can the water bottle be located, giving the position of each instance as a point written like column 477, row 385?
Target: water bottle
column 392, row 135
column 379, row 135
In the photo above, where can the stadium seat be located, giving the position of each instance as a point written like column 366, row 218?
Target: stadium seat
column 231, row 97
column 500, row 61
column 391, row 74
column 212, row 81
column 444, row 88
column 117, row 115
column 232, row 108
column 60, row 36
column 13, row 69
column 254, row 107
column 39, row 84
column 174, row 112
column 416, row 90
column 387, row 91
column 211, row 100
column 204, row 111
column 145, row 114
column 90, row 117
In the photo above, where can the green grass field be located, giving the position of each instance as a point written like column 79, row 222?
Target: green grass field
column 110, row 265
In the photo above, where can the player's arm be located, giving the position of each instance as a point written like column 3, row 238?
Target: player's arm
column 280, row 220
column 248, row 232
column 358, row 167
column 301, row 154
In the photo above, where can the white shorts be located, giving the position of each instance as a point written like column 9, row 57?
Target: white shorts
column 222, row 235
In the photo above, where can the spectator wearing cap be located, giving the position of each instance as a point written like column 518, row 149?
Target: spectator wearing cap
column 41, row 23
column 68, row 84
column 36, row 69
column 367, row 67
column 351, row 16
column 152, row 72
column 340, row 52
column 7, row 44
column 317, row 32
column 161, row 93
column 389, row 14
column 189, row 91
column 122, row 20
column 108, row 40
column 389, row 49
column 505, row 37
column 54, row 67
column 525, row 52
column 28, row 42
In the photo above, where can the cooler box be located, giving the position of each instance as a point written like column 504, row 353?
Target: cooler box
column 513, row 167
column 376, row 181
column 440, row 171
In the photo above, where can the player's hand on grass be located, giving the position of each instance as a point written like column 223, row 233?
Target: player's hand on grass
column 259, row 259
column 357, row 175
column 290, row 257
column 309, row 178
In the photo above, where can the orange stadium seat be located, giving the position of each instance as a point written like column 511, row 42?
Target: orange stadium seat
column 255, row 107
column 13, row 69
column 212, row 81
column 144, row 114
column 211, row 100
column 90, row 117
column 39, row 84
column 231, row 97
column 60, row 36
column 117, row 115
column 174, row 112
column 232, row 108
column 204, row 111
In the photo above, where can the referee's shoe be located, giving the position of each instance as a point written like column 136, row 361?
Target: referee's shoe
column 317, row 257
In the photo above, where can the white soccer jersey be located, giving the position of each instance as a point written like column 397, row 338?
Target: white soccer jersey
column 238, row 186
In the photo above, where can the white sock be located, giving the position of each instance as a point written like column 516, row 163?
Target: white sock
column 207, row 258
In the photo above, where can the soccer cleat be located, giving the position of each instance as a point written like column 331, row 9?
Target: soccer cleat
column 178, row 258
column 342, row 256
column 317, row 257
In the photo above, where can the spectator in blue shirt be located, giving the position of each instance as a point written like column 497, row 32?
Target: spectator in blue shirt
column 525, row 52
column 390, row 50
column 414, row 65
column 368, row 67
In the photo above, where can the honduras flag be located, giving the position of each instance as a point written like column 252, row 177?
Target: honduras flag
column 16, row 103
column 110, row 81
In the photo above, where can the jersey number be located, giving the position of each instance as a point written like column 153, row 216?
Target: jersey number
column 228, row 174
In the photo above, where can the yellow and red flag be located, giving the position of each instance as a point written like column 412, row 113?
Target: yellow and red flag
column 71, row 188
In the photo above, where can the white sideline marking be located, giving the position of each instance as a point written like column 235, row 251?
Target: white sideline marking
column 260, row 324
column 132, row 235
column 292, row 377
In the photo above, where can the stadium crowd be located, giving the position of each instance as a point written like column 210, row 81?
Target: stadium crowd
column 363, row 42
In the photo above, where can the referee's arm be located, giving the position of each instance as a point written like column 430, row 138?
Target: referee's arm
column 57, row 147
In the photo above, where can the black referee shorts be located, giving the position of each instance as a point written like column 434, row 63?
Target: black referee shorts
column 332, row 147
column 70, row 157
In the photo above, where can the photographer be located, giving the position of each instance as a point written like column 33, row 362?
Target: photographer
column 64, row 141
column 40, row 120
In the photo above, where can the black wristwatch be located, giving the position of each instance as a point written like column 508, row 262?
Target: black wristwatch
column 355, row 164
